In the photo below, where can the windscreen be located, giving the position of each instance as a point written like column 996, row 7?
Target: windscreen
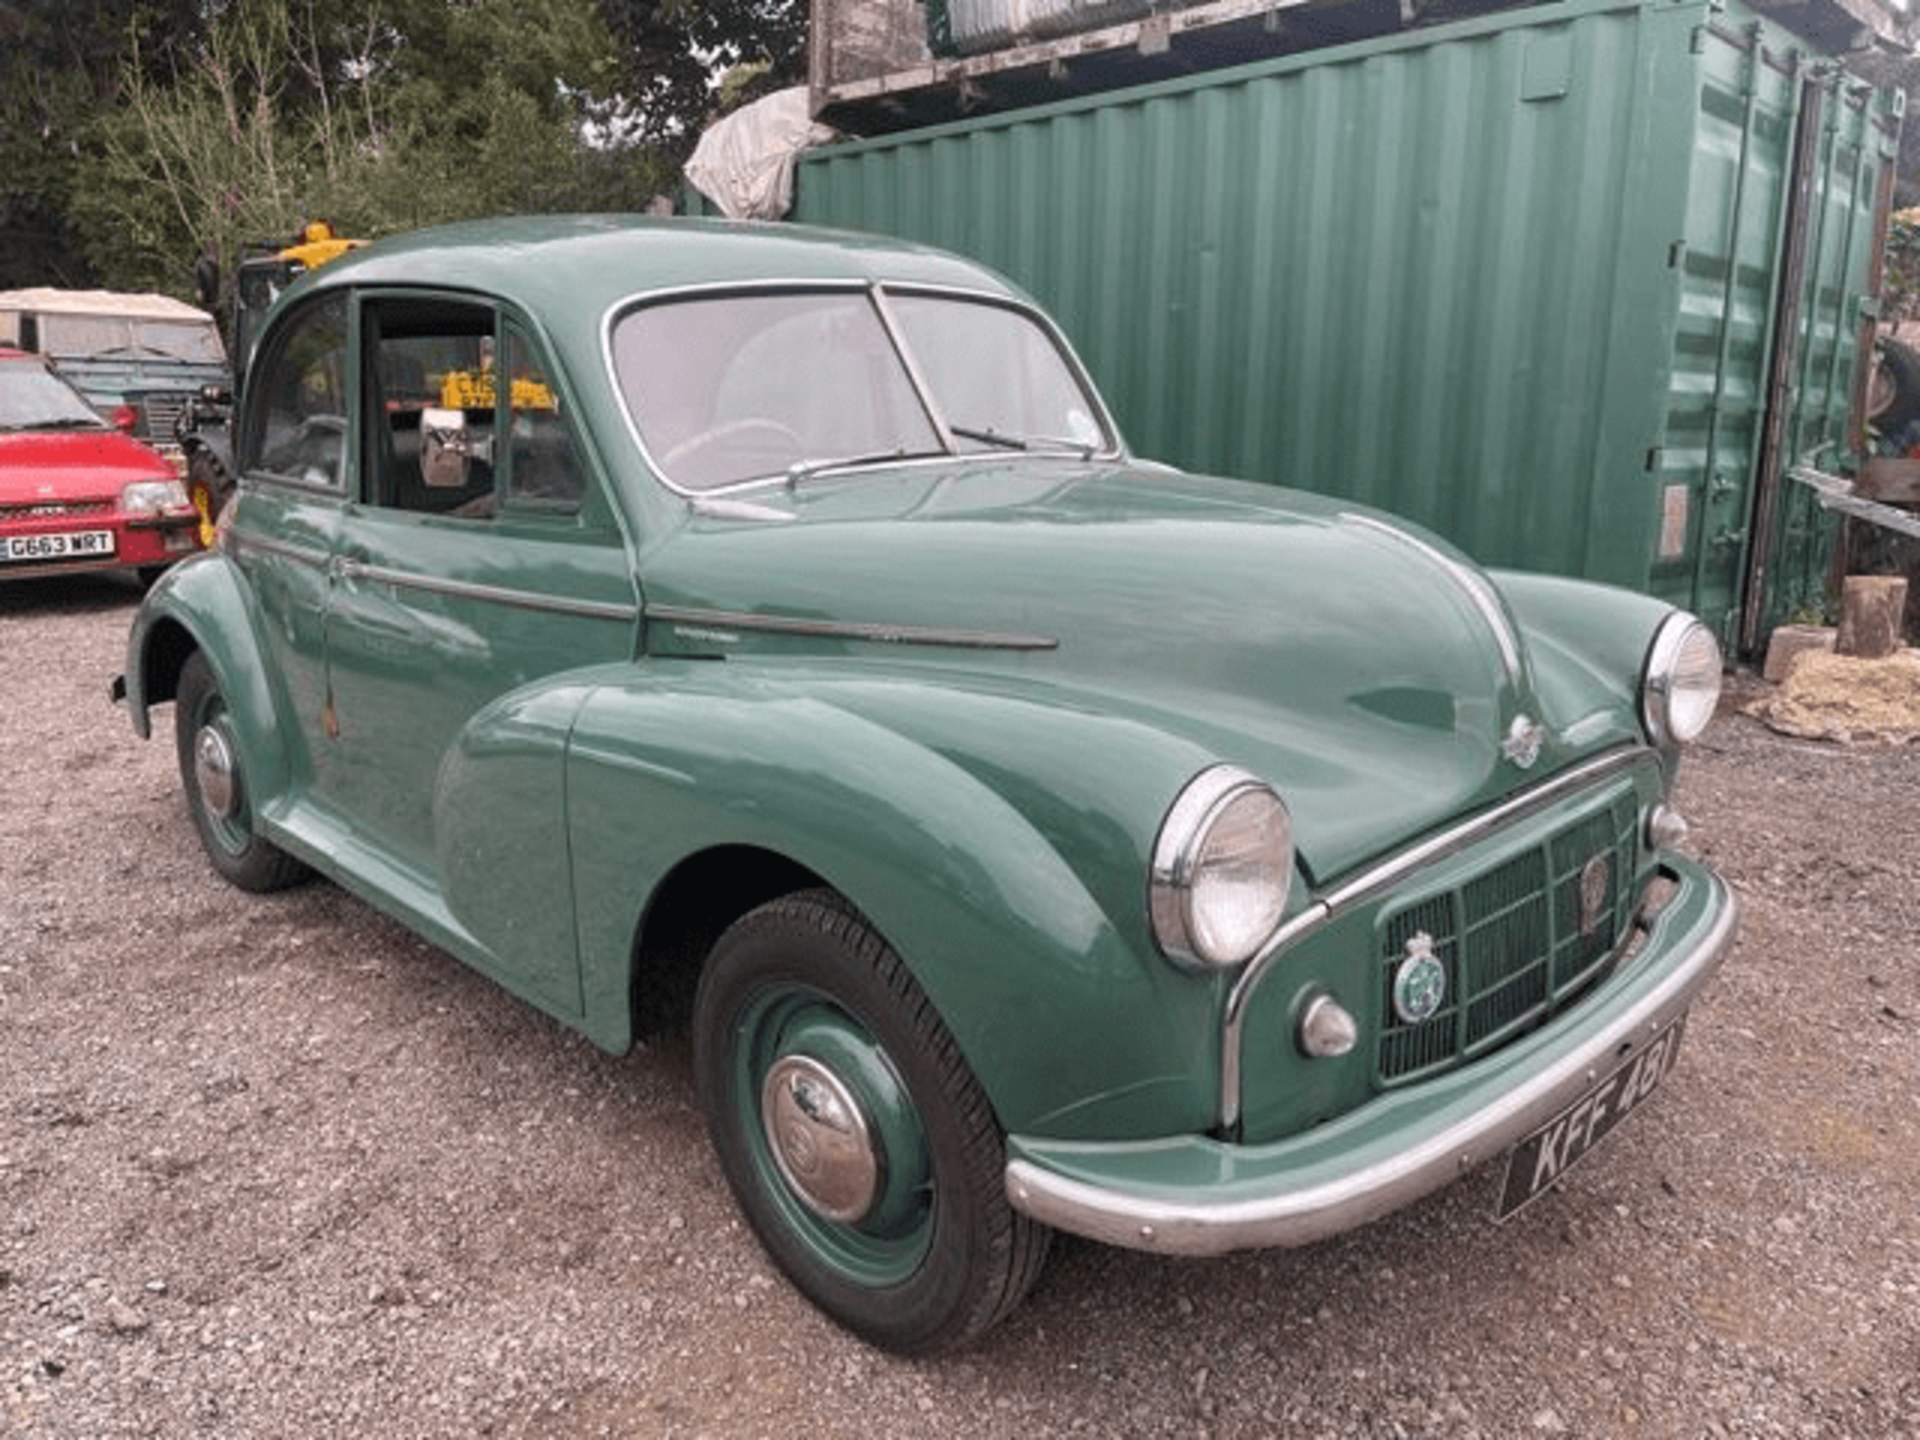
column 997, row 377
column 728, row 389
column 96, row 337
column 33, row 399
column 179, row 340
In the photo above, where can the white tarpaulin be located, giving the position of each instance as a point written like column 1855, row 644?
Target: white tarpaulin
column 744, row 162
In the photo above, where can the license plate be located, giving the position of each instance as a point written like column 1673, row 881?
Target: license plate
column 56, row 547
column 1547, row 1154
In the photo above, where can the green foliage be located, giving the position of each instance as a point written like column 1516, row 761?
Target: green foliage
column 1825, row 612
column 377, row 115
column 59, row 67
column 1900, row 293
column 672, row 49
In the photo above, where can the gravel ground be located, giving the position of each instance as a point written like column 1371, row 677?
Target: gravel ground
column 272, row 1167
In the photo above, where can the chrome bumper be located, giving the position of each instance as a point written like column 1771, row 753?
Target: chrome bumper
column 1192, row 1195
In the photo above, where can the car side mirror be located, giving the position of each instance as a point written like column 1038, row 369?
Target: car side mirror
column 448, row 446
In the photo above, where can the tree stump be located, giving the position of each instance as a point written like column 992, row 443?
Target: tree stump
column 1872, row 614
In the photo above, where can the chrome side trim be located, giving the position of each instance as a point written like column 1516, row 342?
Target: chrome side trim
column 489, row 594
column 1194, row 1224
column 722, row 508
column 1382, row 877
column 881, row 634
column 318, row 559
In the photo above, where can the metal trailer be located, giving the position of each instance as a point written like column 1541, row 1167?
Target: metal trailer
column 1575, row 285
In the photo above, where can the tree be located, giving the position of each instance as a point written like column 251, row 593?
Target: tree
column 60, row 65
column 376, row 115
column 673, row 49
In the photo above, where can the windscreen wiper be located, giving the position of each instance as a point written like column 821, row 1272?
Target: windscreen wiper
column 807, row 469
column 1050, row 443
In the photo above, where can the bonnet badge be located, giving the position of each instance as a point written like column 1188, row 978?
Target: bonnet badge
column 1524, row 739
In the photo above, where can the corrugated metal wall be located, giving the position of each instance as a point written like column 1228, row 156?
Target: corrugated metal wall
column 1466, row 274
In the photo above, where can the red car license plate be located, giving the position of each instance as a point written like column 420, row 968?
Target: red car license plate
column 56, row 546
column 1545, row 1155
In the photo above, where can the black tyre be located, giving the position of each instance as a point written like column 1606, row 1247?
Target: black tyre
column 216, row 786
column 859, row 1145
column 1894, row 389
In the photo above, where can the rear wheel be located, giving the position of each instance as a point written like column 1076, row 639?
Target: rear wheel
column 1893, row 392
column 860, row 1146
column 216, row 786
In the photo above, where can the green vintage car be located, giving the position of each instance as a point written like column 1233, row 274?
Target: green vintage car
column 768, row 631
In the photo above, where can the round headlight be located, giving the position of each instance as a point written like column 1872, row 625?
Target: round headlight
column 1682, row 684
column 1221, row 869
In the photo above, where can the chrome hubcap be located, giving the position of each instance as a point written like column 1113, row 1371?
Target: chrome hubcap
column 213, row 771
column 821, row 1139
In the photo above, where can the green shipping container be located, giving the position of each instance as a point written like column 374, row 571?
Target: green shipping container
column 1572, row 285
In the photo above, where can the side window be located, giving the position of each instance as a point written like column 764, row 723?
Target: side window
column 429, row 371
column 297, row 401
column 543, row 467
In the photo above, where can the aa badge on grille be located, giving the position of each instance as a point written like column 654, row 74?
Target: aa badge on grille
column 1419, row 982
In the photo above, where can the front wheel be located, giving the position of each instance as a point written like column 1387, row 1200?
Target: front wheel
column 861, row 1148
column 216, row 787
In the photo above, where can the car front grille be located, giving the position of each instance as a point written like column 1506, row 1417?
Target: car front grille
column 160, row 411
column 1519, row 942
column 54, row 509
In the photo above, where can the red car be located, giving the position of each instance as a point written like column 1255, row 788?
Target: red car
column 75, row 493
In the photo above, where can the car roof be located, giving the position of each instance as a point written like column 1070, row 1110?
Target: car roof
column 578, row 266
column 46, row 300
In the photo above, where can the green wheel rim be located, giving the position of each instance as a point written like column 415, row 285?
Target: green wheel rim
column 232, row 830
column 887, row 1243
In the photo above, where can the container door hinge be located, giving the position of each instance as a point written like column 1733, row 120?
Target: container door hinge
column 1654, row 458
column 1676, row 254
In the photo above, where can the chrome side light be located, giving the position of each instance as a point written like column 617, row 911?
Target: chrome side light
column 1665, row 828
column 1325, row 1028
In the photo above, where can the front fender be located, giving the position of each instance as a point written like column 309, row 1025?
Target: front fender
column 203, row 604
column 1588, row 643
column 997, row 839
